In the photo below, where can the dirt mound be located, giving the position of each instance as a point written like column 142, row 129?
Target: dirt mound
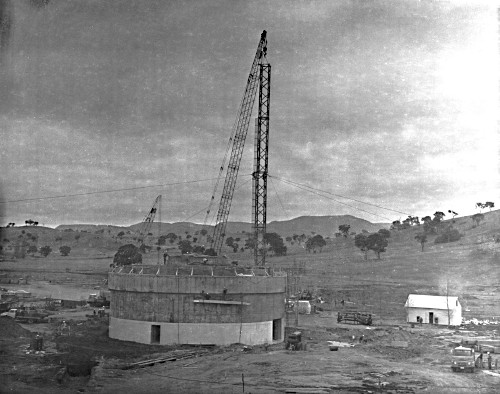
column 10, row 329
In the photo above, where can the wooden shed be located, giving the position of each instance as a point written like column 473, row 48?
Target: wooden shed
column 428, row 309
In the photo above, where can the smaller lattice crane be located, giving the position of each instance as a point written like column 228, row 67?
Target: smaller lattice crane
column 148, row 220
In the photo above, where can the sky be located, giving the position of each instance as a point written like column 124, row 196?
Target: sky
column 379, row 109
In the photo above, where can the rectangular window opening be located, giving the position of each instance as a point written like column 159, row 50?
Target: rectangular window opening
column 276, row 329
column 155, row 333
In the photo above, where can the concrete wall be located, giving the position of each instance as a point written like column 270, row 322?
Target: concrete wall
column 185, row 333
column 174, row 308
column 139, row 301
column 194, row 284
column 441, row 314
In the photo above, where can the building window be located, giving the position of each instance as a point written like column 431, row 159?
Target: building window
column 155, row 333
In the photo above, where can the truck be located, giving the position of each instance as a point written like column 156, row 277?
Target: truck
column 355, row 317
column 27, row 315
column 465, row 359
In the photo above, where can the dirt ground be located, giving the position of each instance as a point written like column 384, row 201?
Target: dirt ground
column 390, row 358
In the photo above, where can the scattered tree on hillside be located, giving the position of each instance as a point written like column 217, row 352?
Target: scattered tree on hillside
column 45, row 250
column 64, row 250
column 361, row 242
column 344, row 229
column 452, row 212
column 10, row 225
column 127, row 254
column 203, row 232
column 315, row 242
column 422, row 238
column 119, row 235
column 229, row 241
column 32, row 250
column 386, row 233
column 249, row 243
column 77, row 237
column 377, row 242
column 396, row 225
column 198, row 249
column 438, row 216
column 276, row 244
column 235, row 247
column 450, row 235
column 476, row 219
column 162, row 240
column 185, row 246
column 487, row 204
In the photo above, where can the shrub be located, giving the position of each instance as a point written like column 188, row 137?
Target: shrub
column 449, row 236
column 64, row 250
column 127, row 254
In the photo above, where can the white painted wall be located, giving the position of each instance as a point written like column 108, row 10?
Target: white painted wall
column 441, row 314
column 195, row 333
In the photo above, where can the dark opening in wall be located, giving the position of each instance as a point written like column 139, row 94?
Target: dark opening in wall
column 155, row 333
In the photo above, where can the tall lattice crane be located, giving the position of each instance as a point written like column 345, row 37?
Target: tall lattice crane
column 255, row 78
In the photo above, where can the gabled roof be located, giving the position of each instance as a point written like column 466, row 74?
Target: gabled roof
column 432, row 302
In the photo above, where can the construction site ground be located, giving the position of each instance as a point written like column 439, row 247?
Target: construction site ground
column 389, row 358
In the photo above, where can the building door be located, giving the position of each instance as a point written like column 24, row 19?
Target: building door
column 431, row 317
column 276, row 329
column 155, row 334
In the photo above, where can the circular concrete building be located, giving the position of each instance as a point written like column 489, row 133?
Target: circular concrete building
column 196, row 305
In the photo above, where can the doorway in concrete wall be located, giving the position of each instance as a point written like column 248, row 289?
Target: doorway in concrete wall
column 155, row 333
column 431, row 317
column 276, row 329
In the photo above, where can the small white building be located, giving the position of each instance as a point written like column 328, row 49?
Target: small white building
column 441, row 310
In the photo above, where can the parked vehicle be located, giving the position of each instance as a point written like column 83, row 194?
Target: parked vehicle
column 98, row 301
column 27, row 316
column 465, row 359
column 294, row 341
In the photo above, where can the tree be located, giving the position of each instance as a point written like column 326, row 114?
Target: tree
column 64, row 250
column 162, row 239
column 489, row 204
column 203, row 232
column 77, row 237
column 229, row 241
column 276, row 244
column 45, row 250
column 127, row 254
column 235, row 247
column 344, row 229
column 453, row 213
column 315, row 242
column 476, row 219
column 199, row 249
column 386, row 233
column 377, row 242
column 438, row 216
column 119, row 235
column 422, row 238
column 32, row 250
column 451, row 235
column 250, row 243
column 361, row 242
column 185, row 246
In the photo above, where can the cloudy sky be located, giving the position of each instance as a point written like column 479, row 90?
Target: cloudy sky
column 379, row 109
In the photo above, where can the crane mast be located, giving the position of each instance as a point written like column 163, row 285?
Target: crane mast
column 240, row 133
column 259, row 182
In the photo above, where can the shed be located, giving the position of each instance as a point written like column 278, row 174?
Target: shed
column 440, row 310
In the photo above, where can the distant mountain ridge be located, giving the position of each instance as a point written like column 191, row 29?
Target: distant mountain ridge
column 327, row 226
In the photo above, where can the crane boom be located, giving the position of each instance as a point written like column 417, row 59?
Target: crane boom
column 240, row 133
column 148, row 220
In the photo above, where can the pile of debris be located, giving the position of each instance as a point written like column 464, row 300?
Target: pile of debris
column 477, row 322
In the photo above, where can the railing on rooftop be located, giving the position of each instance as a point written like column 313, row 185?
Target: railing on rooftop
column 197, row 270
